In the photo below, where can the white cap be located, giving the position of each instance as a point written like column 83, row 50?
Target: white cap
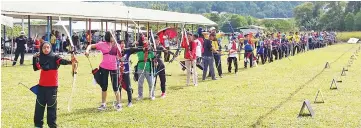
column 212, row 28
column 22, row 33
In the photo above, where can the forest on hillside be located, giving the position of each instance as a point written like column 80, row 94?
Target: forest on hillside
column 258, row 9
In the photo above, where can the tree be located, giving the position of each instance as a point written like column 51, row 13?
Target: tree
column 15, row 31
column 159, row 6
column 235, row 21
column 251, row 20
column 357, row 21
column 333, row 18
column 303, row 13
column 353, row 7
column 349, row 22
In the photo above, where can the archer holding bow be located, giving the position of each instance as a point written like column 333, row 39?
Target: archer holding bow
column 160, row 67
column 48, row 63
column 107, row 67
column 190, row 56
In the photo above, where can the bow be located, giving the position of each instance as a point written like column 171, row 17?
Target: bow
column 74, row 65
column 153, row 66
column 179, row 50
column 120, row 63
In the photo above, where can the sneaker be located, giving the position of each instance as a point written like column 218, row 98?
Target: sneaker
column 118, row 107
column 152, row 98
column 102, row 107
column 196, row 85
column 139, row 98
column 129, row 104
column 163, row 95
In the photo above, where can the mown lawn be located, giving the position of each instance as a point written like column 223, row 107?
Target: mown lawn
column 270, row 95
column 345, row 36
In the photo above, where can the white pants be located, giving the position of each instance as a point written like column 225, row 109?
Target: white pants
column 191, row 70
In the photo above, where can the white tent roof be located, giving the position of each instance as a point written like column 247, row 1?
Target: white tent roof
column 81, row 25
column 7, row 21
column 96, row 11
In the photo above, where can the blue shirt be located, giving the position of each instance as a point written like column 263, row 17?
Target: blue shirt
column 126, row 62
column 207, row 48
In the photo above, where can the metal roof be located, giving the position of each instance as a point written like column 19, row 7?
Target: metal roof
column 79, row 11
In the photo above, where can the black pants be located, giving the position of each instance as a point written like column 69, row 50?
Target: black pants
column 166, row 55
column 311, row 46
column 262, row 57
column 269, row 55
column 284, row 50
column 275, row 53
column 126, row 81
column 161, row 74
column 18, row 51
column 280, row 52
column 250, row 55
column 229, row 60
column 104, row 78
column 46, row 97
column 296, row 46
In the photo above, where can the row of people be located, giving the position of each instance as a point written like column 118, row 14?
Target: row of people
column 150, row 66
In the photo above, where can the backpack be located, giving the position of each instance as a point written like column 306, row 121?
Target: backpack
column 247, row 46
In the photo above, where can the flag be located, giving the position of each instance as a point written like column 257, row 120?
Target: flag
column 34, row 89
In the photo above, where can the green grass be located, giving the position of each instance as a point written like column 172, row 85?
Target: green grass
column 269, row 95
column 345, row 36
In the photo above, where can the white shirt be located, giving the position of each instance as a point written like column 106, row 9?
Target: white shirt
column 199, row 48
column 64, row 39
column 166, row 43
column 234, row 54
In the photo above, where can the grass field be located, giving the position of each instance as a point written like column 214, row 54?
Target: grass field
column 345, row 36
column 269, row 95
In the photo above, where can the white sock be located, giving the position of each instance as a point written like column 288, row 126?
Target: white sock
column 104, row 104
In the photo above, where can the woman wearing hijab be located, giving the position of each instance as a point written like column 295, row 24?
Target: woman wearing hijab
column 48, row 63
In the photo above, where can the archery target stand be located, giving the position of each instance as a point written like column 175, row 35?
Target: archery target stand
column 339, row 79
column 343, row 73
column 306, row 104
column 327, row 65
column 333, row 83
column 354, row 57
column 317, row 94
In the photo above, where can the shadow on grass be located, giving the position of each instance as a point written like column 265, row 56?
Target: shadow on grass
column 176, row 87
column 83, row 111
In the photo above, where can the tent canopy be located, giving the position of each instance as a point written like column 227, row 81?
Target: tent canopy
column 81, row 25
column 97, row 12
column 7, row 21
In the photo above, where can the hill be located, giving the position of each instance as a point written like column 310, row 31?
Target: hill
column 259, row 9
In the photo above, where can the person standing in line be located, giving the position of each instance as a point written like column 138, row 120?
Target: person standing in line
column 208, row 57
column 108, row 67
column 216, row 55
column 232, row 56
column 190, row 56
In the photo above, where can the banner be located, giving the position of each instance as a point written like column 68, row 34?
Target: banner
column 352, row 40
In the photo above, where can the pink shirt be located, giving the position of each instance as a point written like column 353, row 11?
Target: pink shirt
column 109, row 61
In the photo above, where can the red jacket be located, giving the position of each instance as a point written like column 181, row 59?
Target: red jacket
column 189, row 53
column 37, row 44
